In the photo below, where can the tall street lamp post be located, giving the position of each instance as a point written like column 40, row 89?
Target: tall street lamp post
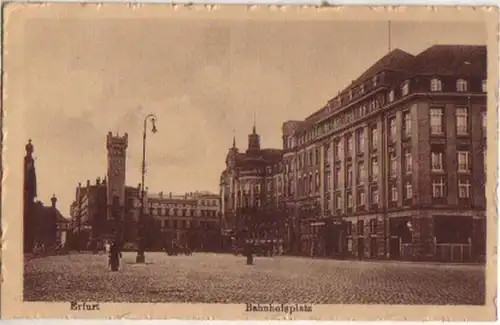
column 140, row 258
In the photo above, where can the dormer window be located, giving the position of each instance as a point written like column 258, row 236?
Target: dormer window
column 405, row 89
column 391, row 96
column 361, row 89
column 484, row 86
column 350, row 94
column 436, row 85
column 375, row 81
column 461, row 85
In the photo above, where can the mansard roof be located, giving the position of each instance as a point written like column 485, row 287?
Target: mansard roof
column 466, row 60
column 438, row 60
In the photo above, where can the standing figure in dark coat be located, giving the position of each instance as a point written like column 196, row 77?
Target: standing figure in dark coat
column 114, row 256
column 249, row 253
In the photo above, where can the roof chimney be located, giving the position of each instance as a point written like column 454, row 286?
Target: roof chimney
column 88, row 182
column 161, row 195
column 170, row 195
column 98, row 181
column 53, row 200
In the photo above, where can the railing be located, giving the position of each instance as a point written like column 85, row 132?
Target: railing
column 453, row 252
column 445, row 252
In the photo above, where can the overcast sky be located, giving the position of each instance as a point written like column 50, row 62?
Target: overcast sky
column 83, row 78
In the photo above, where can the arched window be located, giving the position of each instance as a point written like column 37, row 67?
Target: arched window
column 461, row 85
column 436, row 85
column 391, row 96
column 405, row 89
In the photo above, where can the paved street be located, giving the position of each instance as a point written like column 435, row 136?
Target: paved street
column 219, row 278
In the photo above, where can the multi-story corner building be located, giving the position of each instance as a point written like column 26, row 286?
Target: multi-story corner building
column 90, row 223
column 249, row 195
column 394, row 165
column 192, row 218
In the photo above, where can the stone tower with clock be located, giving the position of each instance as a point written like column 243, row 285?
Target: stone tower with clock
column 115, row 189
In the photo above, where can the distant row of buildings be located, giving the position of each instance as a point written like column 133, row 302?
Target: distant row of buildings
column 108, row 209
column 392, row 167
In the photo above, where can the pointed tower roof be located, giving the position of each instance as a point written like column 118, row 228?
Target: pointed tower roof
column 254, row 129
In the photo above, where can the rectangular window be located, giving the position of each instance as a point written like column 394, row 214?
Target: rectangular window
column 436, row 120
column 408, row 190
column 407, row 124
column 462, row 115
column 337, row 177
column 349, row 200
column 349, row 176
column 328, row 155
column 338, row 201
column 327, row 181
column 361, row 173
column 464, row 161
column 360, row 141
column 373, row 226
column 437, row 162
column 361, row 198
column 461, row 85
column 374, row 138
column 394, row 165
column 360, row 227
column 349, row 148
column 408, row 161
column 374, row 195
column 374, row 169
column 438, row 187
column 338, row 149
column 392, row 129
column 464, row 189
column 394, row 193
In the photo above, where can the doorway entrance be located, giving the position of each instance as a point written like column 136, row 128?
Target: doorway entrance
column 361, row 247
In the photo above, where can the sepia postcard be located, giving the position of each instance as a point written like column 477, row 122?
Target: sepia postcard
column 246, row 162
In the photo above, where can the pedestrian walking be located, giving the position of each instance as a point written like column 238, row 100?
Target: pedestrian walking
column 114, row 256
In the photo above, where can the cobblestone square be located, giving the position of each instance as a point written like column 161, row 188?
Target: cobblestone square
column 224, row 278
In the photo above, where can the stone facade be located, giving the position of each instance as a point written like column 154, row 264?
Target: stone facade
column 395, row 155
